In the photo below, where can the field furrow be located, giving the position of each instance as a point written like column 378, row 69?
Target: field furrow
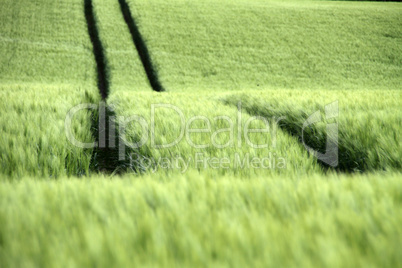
column 141, row 47
column 101, row 60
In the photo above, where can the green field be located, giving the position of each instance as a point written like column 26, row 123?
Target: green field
column 276, row 141
column 47, row 69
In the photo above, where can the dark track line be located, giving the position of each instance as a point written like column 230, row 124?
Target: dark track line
column 104, row 156
column 347, row 163
column 141, row 47
column 101, row 61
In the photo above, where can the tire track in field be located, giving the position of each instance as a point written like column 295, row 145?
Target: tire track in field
column 350, row 158
column 104, row 126
column 141, row 47
column 105, row 155
column 101, row 61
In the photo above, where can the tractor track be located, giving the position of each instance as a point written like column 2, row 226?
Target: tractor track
column 101, row 61
column 105, row 154
column 105, row 130
column 141, row 47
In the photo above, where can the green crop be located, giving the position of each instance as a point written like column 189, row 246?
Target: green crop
column 196, row 220
column 221, row 196
column 240, row 44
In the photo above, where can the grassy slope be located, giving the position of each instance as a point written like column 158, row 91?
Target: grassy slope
column 38, row 46
column 194, row 220
column 273, row 44
column 46, row 70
